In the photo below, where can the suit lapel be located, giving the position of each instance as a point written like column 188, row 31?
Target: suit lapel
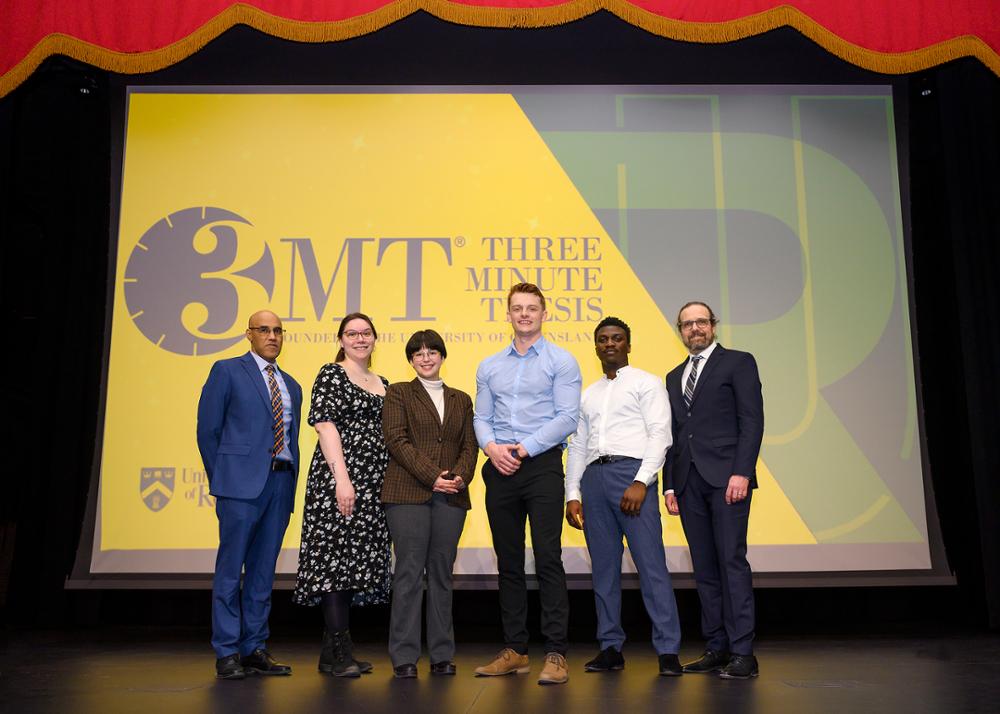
column 257, row 379
column 674, row 378
column 710, row 365
column 424, row 398
column 450, row 405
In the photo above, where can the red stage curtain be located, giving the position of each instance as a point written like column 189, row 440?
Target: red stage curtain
column 892, row 36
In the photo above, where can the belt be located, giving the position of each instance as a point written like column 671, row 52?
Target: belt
column 281, row 465
column 608, row 459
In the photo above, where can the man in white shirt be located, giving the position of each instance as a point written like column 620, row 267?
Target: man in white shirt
column 612, row 464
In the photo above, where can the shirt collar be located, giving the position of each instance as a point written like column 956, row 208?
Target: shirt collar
column 261, row 362
column 707, row 352
column 618, row 373
column 536, row 346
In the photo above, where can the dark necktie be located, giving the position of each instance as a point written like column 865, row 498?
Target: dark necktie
column 277, row 411
column 691, row 380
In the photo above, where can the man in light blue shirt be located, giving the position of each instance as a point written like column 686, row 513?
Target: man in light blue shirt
column 527, row 405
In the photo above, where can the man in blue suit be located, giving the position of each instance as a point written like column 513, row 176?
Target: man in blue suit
column 709, row 477
column 248, row 435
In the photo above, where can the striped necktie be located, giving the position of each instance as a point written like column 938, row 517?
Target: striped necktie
column 277, row 411
column 691, row 381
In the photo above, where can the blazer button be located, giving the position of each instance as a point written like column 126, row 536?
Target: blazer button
column 690, row 436
column 439, row 439
column 689, row 413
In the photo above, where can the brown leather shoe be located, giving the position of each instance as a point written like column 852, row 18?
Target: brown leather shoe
column 507, row 662
column 555, row 670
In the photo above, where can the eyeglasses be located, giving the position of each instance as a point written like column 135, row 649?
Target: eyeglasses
column 425, row 354
column 264, row 330
column 355, row 334
column 701, row 322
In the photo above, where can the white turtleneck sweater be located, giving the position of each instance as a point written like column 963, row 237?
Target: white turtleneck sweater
column 435, row 388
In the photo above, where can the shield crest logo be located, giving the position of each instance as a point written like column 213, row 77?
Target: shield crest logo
column 156, row 486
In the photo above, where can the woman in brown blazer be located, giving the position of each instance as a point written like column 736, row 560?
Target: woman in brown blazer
column 428, row 431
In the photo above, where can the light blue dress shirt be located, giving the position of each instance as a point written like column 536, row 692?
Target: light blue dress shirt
column 286, row 402
column 531, row 399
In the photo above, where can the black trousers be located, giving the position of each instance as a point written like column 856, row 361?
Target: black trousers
column 535, row 492
column 717, row 536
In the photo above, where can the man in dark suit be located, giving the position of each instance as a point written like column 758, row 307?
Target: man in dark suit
column 709, row 477
column 248, row 436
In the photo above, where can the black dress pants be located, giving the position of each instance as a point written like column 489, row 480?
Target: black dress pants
column 534, row 492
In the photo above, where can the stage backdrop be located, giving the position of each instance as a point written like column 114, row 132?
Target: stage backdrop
column 779, row 206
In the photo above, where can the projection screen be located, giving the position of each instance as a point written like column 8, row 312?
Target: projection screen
column 780, row 206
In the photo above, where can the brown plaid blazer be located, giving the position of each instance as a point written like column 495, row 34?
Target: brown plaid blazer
column 422, row 447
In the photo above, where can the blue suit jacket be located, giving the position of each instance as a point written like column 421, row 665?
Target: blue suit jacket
column 722, row 430
column 235, row 435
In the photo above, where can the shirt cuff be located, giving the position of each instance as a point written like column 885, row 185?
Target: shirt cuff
column 532, row 446
column 646, row 478
column 669, row 490
column 573, row 495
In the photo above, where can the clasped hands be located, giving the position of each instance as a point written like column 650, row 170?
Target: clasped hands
column 452, row 485
column 506, row 458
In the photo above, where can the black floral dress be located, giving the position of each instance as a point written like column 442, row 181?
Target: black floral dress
column 337, row 553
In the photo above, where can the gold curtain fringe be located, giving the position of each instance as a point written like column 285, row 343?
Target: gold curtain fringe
column 696, row 32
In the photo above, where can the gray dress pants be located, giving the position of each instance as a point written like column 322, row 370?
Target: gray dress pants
column 424, row 538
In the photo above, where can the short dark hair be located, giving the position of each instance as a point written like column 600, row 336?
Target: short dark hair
column 340, row 332
column 529, row 288
column 425, row 338
column 614, row 322
column 685, row 306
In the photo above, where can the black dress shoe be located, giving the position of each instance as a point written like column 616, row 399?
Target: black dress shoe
column 607, row 660
column 229, row 668
column 740, row 667
column 710, row 661
column 442, row 668
column 260, row 661
column 670, row 666
column 405, row 671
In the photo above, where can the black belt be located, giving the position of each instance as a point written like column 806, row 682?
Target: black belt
column 609, row 459
column 281, row 465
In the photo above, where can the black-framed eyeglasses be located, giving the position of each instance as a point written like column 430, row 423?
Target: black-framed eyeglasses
column 701, row 322
column 264, row 331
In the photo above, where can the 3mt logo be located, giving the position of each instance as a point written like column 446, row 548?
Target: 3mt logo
column 167, row 272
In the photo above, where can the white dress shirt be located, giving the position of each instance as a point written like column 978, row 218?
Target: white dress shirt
column 625, row 416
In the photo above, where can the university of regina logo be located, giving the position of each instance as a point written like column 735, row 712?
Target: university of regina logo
column 156, row 486
column 165, row 274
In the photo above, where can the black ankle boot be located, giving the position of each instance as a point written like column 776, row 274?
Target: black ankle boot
column 363, row 667
column 335, row 657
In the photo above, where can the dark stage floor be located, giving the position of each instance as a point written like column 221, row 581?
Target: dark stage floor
column 162, row 670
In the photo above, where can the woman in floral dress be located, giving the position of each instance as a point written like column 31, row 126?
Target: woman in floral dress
column 344, row 557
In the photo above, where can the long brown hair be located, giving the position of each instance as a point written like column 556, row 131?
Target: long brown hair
column 340, row 333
